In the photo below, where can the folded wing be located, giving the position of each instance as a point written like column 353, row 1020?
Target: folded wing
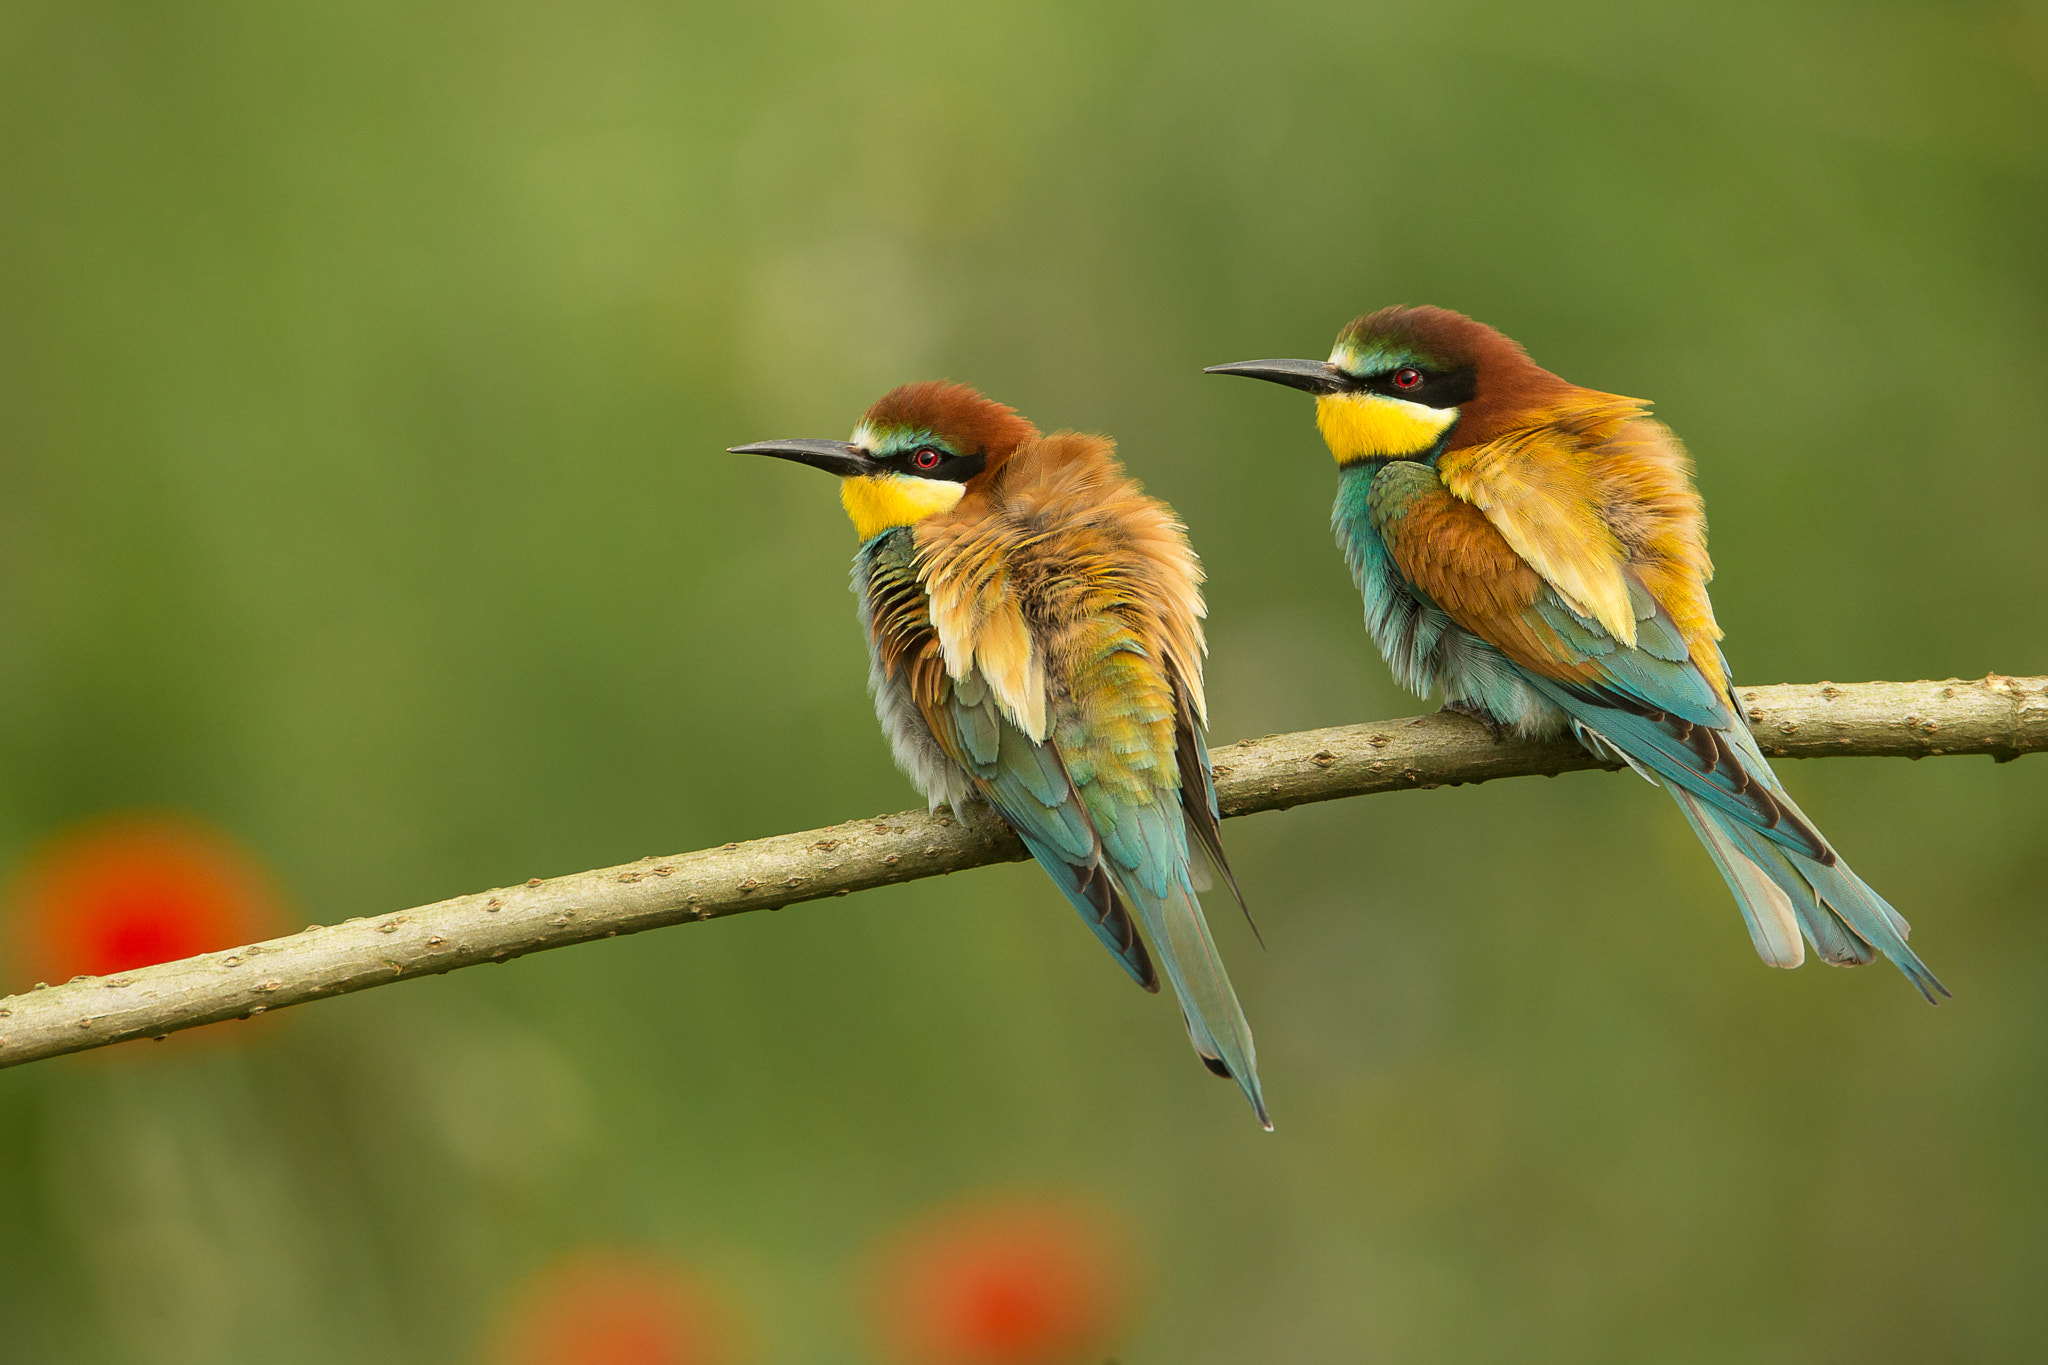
column 1656, row 694
column 1065, row 679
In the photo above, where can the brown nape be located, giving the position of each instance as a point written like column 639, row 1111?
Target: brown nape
column 1511, row 387
column 957, row 413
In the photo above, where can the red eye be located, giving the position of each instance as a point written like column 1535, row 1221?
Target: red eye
column 1407, row 378
column 927, row 458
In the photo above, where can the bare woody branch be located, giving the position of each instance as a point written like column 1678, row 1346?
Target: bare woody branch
column 2000, row 716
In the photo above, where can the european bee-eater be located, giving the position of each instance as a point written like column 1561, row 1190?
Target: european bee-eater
column 1536, row 553
column 1035, row 639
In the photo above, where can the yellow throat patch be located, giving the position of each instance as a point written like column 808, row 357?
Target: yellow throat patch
column 877, row 502
column 1364, row 426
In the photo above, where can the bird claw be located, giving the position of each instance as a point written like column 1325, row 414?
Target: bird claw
column 1472, row 710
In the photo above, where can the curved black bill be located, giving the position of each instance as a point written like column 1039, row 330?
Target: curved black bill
column 834, row 457
column 1310, row 376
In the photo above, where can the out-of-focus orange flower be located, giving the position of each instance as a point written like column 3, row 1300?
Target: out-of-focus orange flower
column 126, row 891
column 617, row 1308
column 1022, row 1281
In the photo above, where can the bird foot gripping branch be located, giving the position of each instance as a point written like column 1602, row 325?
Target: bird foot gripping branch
column 1034, row 623
column 1536, row 553
column 1531, row 550
column 2002, row 717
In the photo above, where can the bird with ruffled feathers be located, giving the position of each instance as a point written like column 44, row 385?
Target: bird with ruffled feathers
column 1535, row 553
column 1035, row 639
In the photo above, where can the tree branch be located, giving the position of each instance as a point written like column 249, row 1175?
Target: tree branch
column 2000, row 716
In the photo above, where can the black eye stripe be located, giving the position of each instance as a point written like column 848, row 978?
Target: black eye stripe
column 948, row 466
column 1432, row 388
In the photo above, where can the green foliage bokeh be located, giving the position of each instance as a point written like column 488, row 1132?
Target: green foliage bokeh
column 365, row 374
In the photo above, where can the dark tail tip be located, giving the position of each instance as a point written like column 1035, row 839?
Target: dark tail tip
column 1931, row 987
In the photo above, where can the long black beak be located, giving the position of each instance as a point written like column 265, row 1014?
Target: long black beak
column 834, row 457
column 1311, row 376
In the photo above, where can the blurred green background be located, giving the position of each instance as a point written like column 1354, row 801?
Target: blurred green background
column 364, row 378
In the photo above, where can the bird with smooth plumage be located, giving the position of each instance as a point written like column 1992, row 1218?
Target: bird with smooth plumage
column 1535, row 553
column 1035, row 639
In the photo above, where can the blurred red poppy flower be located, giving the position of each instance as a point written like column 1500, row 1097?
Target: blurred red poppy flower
column 618, row 1308
column 126, row 891
column 1023, row 1281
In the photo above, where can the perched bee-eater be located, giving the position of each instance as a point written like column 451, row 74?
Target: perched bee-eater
column 1536, row 553
column 1034, row 631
